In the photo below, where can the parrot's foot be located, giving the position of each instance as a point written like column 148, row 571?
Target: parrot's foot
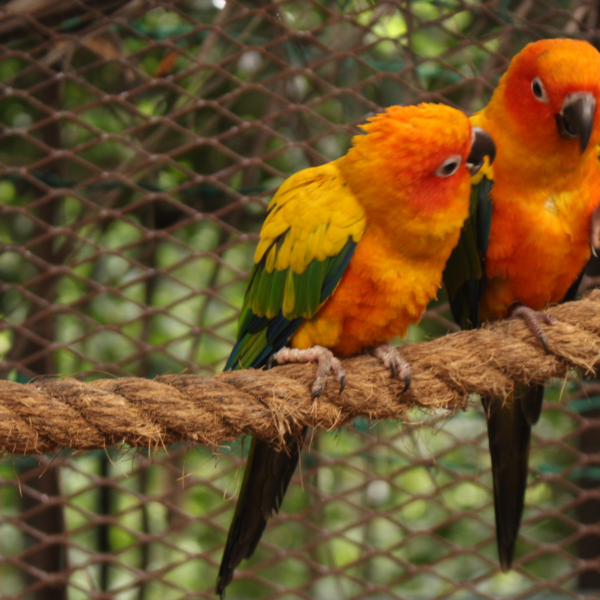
column 393, row 360
column 533, row 319
column 327, row 362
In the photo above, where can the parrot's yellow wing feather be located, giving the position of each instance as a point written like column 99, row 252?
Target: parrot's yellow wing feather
column 306, row 243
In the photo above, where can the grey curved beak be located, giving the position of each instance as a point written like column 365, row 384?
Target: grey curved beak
column 576, row 118
column 482, row 146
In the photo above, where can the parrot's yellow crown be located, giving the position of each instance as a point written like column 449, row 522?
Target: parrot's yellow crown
column 413, row 156
column 423, row 135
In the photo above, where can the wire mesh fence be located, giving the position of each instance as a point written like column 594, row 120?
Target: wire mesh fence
column 139, row 145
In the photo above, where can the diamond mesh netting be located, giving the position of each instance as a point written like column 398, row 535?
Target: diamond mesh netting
column 139, row 145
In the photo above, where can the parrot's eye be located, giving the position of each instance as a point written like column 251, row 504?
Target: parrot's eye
column 449, row 166
column 538, row 90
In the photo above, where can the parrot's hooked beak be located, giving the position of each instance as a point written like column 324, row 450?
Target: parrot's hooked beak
column 482, row 146
column 576, row 118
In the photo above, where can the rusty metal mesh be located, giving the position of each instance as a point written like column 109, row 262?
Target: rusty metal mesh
column 139, row 144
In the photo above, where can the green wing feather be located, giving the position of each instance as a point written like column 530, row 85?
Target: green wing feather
column 261, row 333
column 276, row 303
column 464, row 275
column 306, row 243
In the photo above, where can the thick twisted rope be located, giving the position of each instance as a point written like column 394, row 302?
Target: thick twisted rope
column 49, row 414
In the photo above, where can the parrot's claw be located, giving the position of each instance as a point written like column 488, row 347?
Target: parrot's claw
column 342, row 380
column 393, row 360
column 327, row 362
column 534, row 319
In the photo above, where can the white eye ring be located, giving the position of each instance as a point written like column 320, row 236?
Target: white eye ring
column 449, row 166
column 537, row 87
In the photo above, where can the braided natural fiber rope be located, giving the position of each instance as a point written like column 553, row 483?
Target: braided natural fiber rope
column 49, row 414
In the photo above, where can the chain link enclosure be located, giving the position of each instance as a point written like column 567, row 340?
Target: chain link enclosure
column 139, row 145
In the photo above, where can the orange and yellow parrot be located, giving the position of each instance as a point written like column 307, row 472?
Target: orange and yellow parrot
column 349, row 256
column 528, row 237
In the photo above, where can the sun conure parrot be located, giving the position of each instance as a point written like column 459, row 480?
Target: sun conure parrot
column 349, row 256
column 527, row 240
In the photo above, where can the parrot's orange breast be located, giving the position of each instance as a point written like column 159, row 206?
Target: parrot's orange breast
column 539, row 244
column 379, row 296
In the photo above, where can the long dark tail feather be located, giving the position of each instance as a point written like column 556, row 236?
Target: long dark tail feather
column 266, row 479
column 509, row 432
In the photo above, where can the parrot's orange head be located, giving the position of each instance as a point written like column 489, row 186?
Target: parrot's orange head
column 415, row 156
column 552, row 94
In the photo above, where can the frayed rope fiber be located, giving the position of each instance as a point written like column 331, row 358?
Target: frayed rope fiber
column 49, row 414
